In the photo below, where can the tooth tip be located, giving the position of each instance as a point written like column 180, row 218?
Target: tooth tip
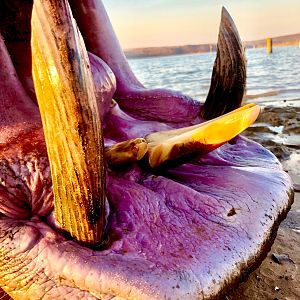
column 225, row 15
column 224, row 11
column 227, row 22
column 255, row 113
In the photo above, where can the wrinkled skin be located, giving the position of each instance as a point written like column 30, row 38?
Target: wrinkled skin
column 185, row 232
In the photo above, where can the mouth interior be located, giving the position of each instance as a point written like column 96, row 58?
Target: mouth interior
column 214, row 132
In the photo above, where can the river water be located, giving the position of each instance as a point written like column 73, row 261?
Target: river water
column 271, row 79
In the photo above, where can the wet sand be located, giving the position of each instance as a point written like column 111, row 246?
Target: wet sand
column 278, row 277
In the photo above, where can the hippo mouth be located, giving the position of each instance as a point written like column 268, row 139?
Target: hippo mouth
column 152, row 195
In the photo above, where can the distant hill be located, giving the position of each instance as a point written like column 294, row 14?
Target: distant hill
column 286, row 40
column 171, row 50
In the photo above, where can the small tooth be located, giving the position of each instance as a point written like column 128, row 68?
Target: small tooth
column 126, row 152
column 228, row 80
column 199, row 139
column 71, row 122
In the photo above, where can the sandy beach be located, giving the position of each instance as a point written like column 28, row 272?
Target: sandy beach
column 278, row 277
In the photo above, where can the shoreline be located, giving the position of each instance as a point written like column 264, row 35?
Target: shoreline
column 156, row 52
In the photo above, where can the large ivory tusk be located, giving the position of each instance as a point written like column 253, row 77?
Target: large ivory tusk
column 71, row 123
column 228, row 80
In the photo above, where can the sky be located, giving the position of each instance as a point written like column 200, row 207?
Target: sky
column 146, row 23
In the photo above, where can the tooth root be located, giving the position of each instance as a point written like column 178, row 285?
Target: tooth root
column 71, row 123
column 199, row 139
column 228, row 80
column 126, row 152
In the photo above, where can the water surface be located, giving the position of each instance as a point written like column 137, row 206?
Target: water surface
column 271, row 79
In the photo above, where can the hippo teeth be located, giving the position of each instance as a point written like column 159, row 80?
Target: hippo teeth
column 199, row 139
column 67, row 102
column 228, row 80
column 190, row 232
column 71, row 122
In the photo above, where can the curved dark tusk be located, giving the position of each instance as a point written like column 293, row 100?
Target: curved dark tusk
column 228, row 80
column 72, row 127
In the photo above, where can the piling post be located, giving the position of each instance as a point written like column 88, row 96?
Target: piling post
column 269, row 45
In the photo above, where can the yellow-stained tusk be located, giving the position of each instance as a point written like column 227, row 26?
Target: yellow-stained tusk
column 202, row 138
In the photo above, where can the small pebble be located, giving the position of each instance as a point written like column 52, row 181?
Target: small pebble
column 282, row 259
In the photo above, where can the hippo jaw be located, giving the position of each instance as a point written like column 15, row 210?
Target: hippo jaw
column 163, row 230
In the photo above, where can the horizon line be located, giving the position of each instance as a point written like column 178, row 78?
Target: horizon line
column 213, row 43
